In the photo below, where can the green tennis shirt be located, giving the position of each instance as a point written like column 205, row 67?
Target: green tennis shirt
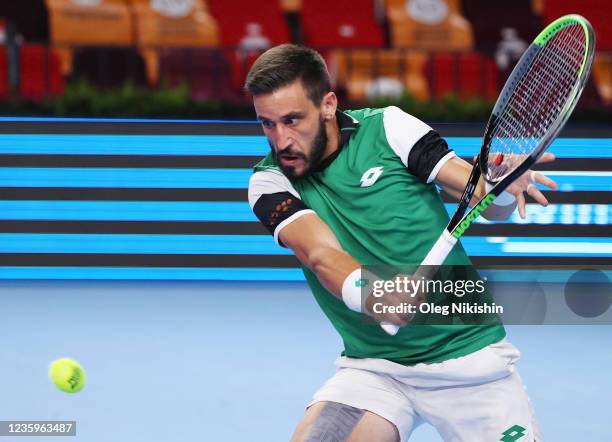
column 377, row 195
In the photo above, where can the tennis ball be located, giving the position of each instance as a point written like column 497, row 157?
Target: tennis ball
column 67, row 374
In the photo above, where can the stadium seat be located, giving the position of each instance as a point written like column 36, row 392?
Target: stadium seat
column 171, row 25
column 80, row 23
column 71, row 24
column 39, row 72
column 598, row 12
column 167, row 24
column 602, row 76
column 4, row 86
column 488, row 19
column 465, row 74
column 205, row 71
column 109, row 66
column 233, row 17
column 341, row 23
column 434, row 25
column 364, row 73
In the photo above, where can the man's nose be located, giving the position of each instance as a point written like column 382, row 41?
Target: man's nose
column 283, row 137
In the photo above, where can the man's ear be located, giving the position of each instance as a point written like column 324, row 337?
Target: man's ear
column 329, row 104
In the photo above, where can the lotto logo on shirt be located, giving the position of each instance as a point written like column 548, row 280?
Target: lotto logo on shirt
column 371, row 176
column 513, row 433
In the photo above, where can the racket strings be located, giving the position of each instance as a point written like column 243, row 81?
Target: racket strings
column 533, row 111
column 537, row 100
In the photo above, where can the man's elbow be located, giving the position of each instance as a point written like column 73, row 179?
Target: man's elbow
column 320, row 258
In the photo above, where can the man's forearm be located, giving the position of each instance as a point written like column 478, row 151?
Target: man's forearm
column 331, row 266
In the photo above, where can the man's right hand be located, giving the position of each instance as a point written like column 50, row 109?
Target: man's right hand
column 400, row 303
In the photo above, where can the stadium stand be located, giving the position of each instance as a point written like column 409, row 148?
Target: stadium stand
column 293, row 17
column 467, row 74
column 173, row 25
column 599, row 13
column 345, row 23
column 4, row 86
column 106, row 23
column 108, row 66
column 205, row 71
column 39, row 71
column 488, row 19
column 233, row 17
column 428, row 25
column 602, row 76
column 364, row 73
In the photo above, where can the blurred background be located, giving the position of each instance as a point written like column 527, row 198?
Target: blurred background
column 189, row 57
column 126, row 239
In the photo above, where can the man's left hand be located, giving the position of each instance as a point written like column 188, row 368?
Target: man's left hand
column 527, row 183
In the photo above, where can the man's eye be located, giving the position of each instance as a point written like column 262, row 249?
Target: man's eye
column 290, row 121
column 267, row 124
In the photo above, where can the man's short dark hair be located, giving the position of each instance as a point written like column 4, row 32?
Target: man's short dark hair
column 284, row 64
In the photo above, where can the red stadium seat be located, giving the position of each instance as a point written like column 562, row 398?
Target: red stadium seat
column 598, row 12
column 466, row 75
column 233, row 16
column 488, row 18
column 205, row 71
column 39, row 72
column 341, row 23
column 3, row 72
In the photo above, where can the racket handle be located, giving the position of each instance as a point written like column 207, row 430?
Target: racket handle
column 435, row 258
column 438, row 253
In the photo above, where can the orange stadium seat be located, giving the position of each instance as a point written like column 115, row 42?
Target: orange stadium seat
column 79, row 23
column 435, row 25
column 344, row 23
column 106, row 23
column 165, row 25
column 602, row 76
column 363, row 73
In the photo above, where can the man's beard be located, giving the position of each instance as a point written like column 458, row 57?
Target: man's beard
column 310, row 160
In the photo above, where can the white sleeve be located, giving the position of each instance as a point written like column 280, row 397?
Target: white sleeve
column 268, row 181
column 275, row 201
column 403, row 131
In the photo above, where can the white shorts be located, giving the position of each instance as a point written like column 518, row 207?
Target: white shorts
column 477, row 397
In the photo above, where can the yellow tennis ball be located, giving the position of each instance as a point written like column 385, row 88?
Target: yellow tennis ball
column 67, row 374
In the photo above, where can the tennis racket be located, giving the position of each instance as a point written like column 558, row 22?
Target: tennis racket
column 532, row 108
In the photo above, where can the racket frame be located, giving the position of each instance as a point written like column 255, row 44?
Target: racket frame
column 461, row 221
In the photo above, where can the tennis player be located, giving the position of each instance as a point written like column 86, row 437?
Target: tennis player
column 343, row 189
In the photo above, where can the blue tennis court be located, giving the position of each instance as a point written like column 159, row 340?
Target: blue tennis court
column 219, row 360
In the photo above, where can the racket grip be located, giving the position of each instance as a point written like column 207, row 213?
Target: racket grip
column 438, row 253
column 391, row 329
column 436, row 257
